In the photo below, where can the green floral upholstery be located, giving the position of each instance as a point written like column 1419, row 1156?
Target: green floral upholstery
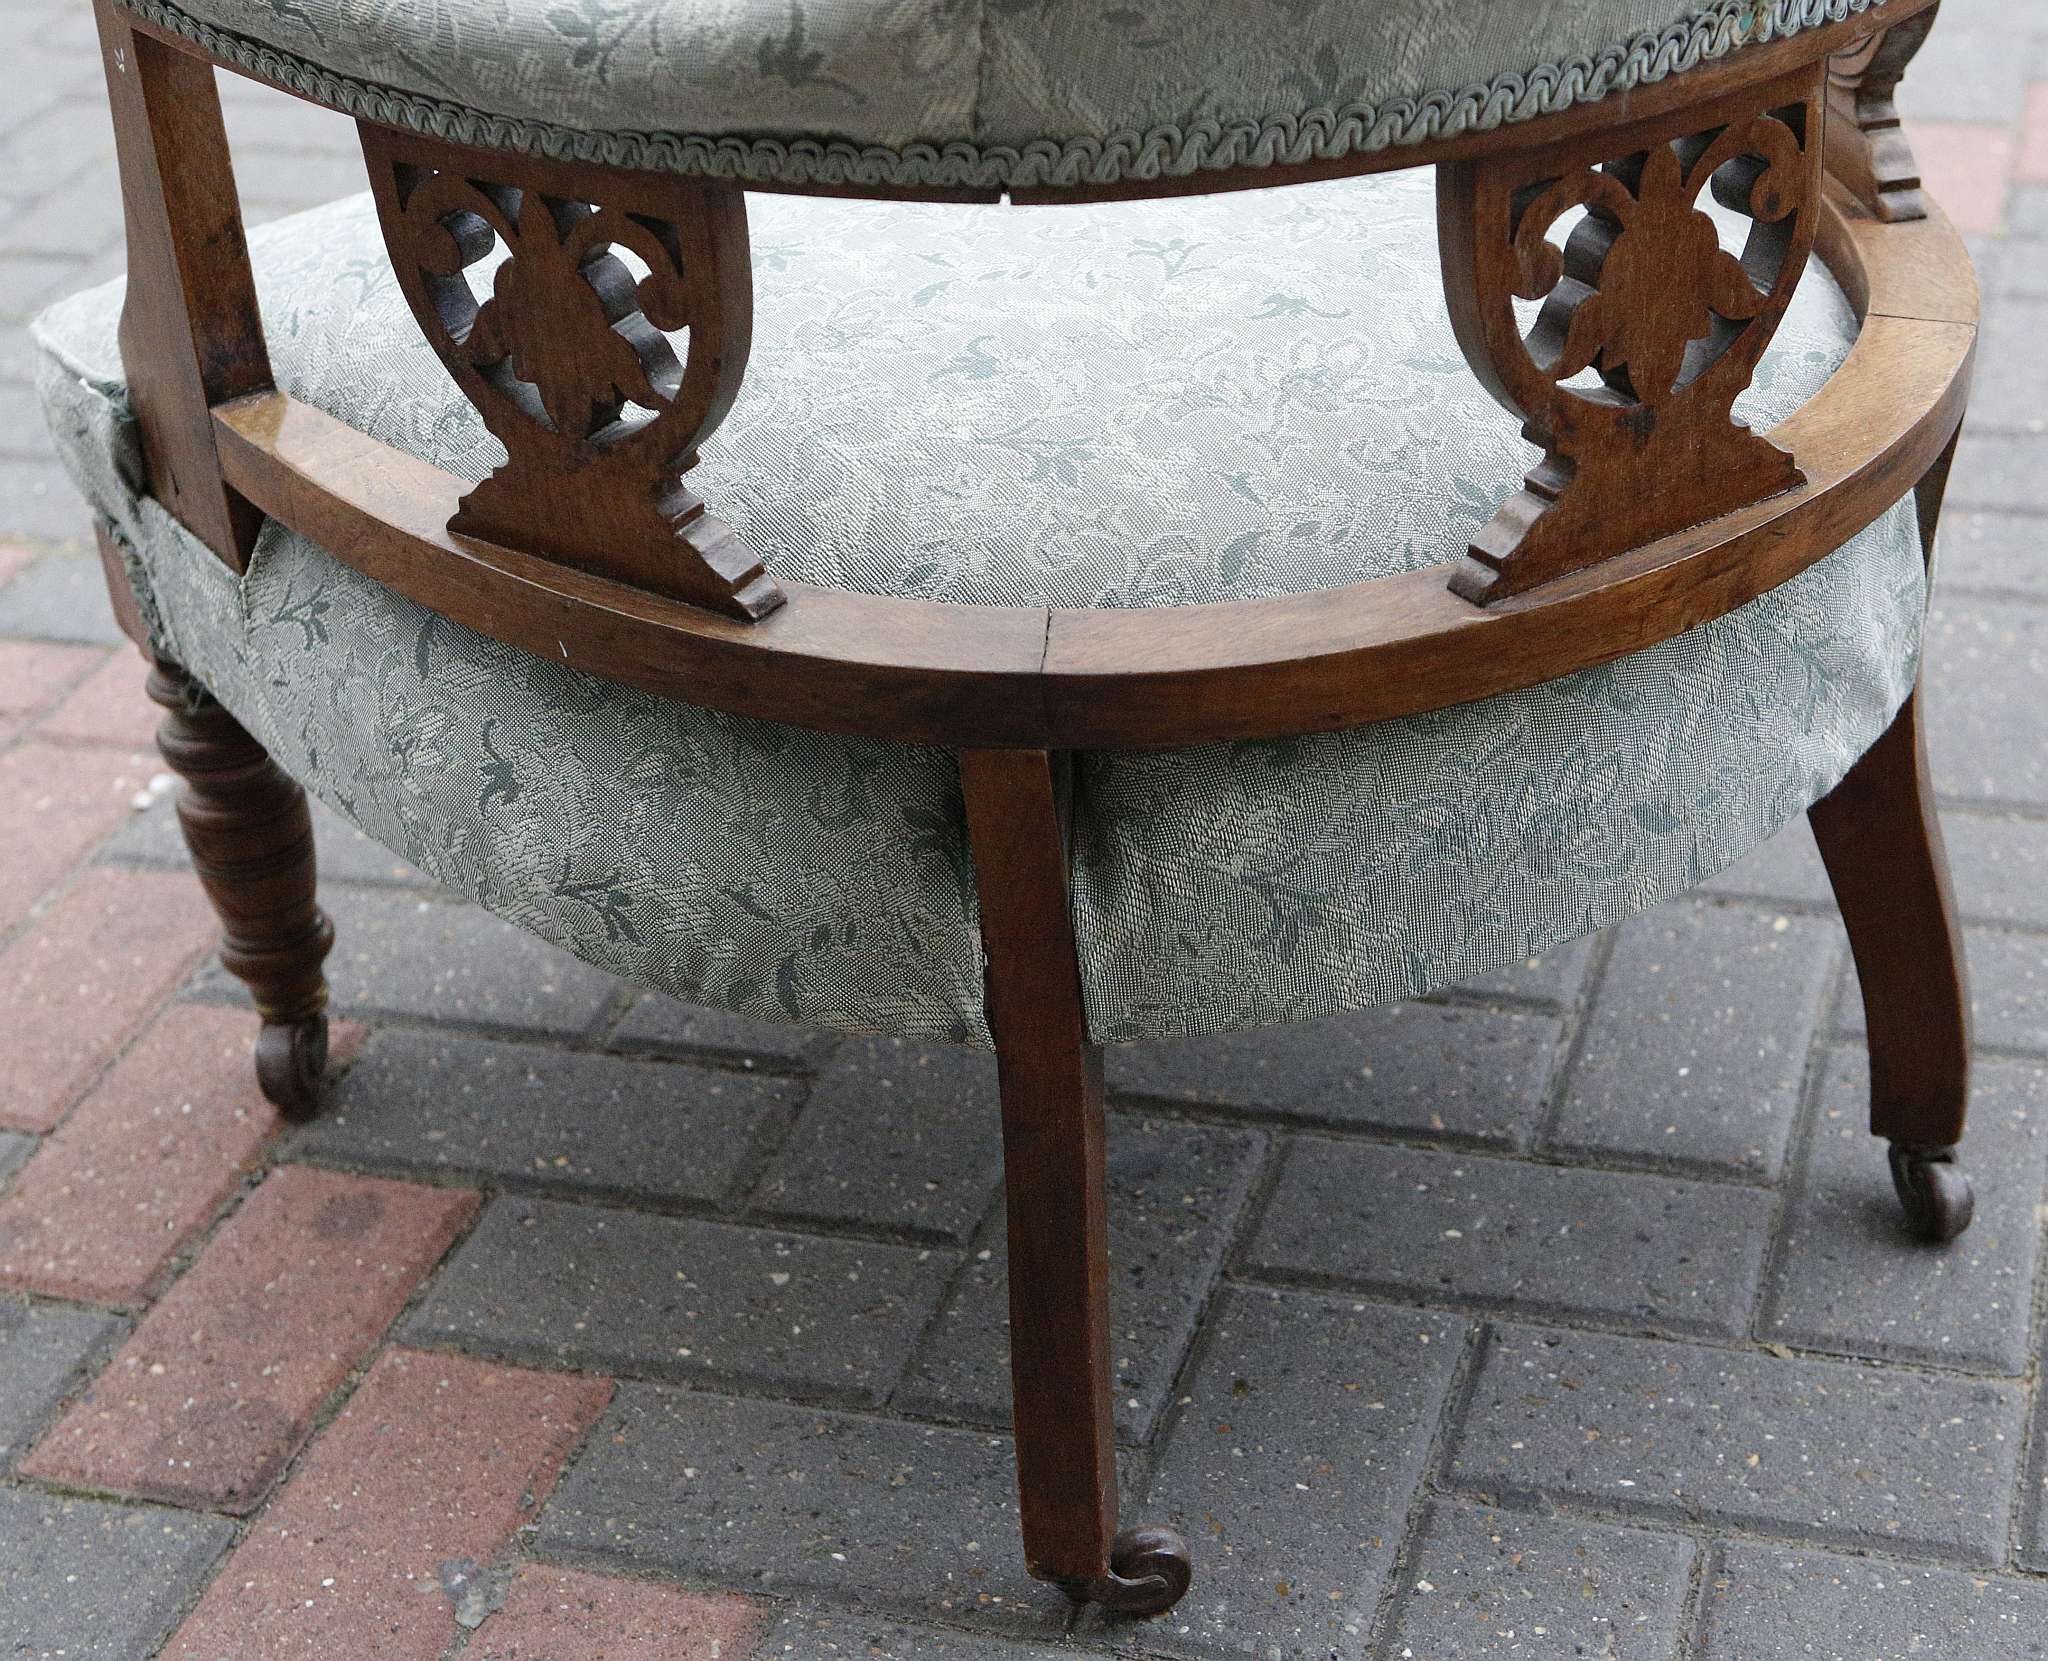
column 987, row 93
column 1132, row 405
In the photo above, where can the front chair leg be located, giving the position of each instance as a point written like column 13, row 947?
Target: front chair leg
column 1881, row 843
column 1053, row 1163
column 251, row 840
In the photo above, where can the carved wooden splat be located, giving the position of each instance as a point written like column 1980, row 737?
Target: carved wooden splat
column 1867, row 148
column 571, row 357
column 1643, row 295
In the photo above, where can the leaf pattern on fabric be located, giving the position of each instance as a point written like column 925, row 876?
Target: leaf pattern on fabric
column 980, row 93
column 1154, row 428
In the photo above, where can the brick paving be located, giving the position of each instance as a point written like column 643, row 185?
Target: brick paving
column 1561, row 1315
column 132, row 1173
column 219, row 1383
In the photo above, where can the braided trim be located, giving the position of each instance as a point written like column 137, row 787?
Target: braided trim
column 1169, row 152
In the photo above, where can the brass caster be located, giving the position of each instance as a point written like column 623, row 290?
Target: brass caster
column 291, row 1061
column 1934, row 1191
column 1149, row 1572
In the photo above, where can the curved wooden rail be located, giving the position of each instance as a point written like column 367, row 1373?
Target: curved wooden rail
column 993, row 676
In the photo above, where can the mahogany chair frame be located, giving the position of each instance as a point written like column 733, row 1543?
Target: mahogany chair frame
column 589, row 546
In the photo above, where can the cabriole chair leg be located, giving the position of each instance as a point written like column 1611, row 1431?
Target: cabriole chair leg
column 1054, row 1177
column 251, row 840
column 1881, row 843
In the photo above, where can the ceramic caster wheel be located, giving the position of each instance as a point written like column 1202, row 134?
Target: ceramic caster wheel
column 1934, row 1191
column 291, row 1061
column 1149, row 1572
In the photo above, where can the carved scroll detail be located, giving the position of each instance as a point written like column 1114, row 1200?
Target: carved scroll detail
column 1867, row 148
column 1643, row 295
column 571, row 357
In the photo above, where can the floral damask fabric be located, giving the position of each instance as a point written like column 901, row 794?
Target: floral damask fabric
column 1143, row 404
column 988, row 93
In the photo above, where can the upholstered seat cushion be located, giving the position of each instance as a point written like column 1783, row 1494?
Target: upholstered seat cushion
column 985, row 93
column 1146, row 404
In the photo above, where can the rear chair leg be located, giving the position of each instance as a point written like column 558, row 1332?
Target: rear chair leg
column 1051, row 1079
column 1882, row 846
column 251, row 838
column 1881, row 842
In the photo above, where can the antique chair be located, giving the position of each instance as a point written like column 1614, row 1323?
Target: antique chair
column 1105, row 609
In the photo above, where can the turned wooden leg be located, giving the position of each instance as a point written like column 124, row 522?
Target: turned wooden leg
column 251, row 839
column 1051, row 1078
column 1881, row 842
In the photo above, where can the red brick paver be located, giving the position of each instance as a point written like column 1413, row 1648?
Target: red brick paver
column 110, row 707
column 567, row 1615
column 141, row 1165
column 436, row 1461
column 56, row 804
column 81, row 979
column 2032, row 164
column 1967, row 168
column 13, row 558
column 219, row 1385
column 34, row 674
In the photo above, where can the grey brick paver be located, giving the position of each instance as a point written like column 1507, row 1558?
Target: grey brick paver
column 856, row 1637
column 895, row 1136
column 1649, row 1250
column 22, row 432
column 2000, row 866
column 1997, row 550
column 83, row 216
column 614, row 1291
column 1291, row 1470
column 406, row 955
column 85, row 1578
column 1967, row 72
column 1787, row 867
column 1174, row 1194
column 61, row 596
column 43, row 1349
column 676, row 1028
column 1766, row 1603
column 1825, row 1450
column 2019, row 393
column 280, row 133
column 2002, row 471
column 32, row 101
column 28, row 282
column 14, row 1152
column 1845, row 1276
column 1473, row 1074
column 1987, row 667
column 1557, row 976
column 776, row 1499
column 1695, row 1050
column 45, row 483
column 2014, row 267
column 2033, row 1499
column 461, row 1106
column 2008, row 990
column 344, row 854
column 57, row 145
column 1486, row 1585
